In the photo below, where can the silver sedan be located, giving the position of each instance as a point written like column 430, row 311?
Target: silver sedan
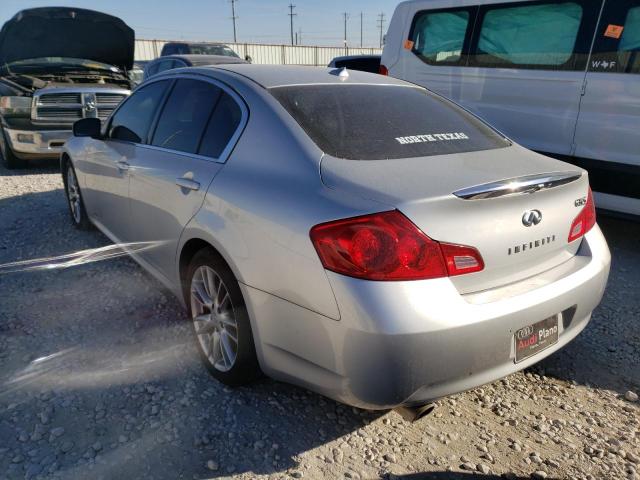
column 347, row 232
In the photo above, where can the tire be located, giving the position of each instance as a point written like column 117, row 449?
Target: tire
column 208, row 278
column 9, row 159
column 75, row 201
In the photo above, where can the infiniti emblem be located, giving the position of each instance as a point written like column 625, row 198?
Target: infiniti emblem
column 531, row 217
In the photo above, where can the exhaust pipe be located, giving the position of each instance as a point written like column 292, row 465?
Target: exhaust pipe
column 413, row 414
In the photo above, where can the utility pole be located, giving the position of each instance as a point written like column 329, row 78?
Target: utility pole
column 361, row 15
column 381, row 26
column 291, row 15
column 233, row 18
column 296, row 38
column 345, row 15
column 299, row 36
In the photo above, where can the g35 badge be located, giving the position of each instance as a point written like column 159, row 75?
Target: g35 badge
column 580, row 202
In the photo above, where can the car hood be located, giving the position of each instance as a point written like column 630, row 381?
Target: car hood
column 67, row 32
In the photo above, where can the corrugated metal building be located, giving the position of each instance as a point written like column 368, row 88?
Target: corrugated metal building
column 266, row 54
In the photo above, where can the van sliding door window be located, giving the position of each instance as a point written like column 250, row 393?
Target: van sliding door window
column 617, row 46
column 529, row 35
column 439, row 36
column 630, row 42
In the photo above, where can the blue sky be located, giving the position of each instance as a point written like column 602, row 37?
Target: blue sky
column 262, row 21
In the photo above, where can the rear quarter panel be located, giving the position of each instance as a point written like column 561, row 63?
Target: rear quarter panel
column 259, row 209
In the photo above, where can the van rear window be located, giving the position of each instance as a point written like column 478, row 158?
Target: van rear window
column 377, row 122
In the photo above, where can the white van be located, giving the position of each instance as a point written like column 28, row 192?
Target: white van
column 560, row 77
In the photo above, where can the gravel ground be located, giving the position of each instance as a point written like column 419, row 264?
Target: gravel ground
column 99, row 378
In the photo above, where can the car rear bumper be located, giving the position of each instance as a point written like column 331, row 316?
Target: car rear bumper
column 37, row 143
column 407, row 343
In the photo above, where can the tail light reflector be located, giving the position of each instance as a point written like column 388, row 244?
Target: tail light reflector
column 461, row 259
column 585, row 220
column 388, row 246
column 382, row 70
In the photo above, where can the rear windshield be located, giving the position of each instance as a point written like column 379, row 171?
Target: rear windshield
column 377, row 122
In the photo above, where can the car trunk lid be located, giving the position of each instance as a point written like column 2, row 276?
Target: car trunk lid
column 455, row 199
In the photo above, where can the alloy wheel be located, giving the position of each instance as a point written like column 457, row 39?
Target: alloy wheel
column 73, row 194
column 213, row 318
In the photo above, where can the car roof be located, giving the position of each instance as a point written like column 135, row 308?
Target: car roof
column 269, row 76
column 195, row 59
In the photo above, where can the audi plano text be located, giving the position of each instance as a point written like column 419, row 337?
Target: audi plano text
column 384, row 253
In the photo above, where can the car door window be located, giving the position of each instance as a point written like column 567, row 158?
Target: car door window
column 185, row 115
column 438, row 36
column 165, row 65
column 151, row 70
column 131, row 122
column 223, row 124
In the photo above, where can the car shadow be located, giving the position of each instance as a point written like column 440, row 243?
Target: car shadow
column 454, row 476
column 33, row 167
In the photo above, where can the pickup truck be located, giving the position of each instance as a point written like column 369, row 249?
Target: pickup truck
column 58, row 65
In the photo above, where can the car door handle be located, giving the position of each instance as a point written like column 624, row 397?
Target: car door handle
column 187, row 183
column 122, row 166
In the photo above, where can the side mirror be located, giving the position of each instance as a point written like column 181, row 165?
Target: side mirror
column 88, row 127
column 248, row 58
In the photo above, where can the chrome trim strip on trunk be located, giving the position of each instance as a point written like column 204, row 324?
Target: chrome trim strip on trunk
column 518, row 185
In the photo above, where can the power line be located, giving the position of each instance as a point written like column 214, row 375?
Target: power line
column 291, row 15
column 381, row 25
column 233, row 18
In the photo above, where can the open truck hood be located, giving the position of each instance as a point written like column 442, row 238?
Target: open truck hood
column 67, row 32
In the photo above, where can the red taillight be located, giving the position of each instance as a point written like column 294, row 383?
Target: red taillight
column 388, row 246
column 585, row 220
column 382, row 70
column 461, row 259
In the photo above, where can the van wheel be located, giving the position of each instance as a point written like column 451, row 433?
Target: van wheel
column 220, row 320
column 9, row 159
column 78, row 213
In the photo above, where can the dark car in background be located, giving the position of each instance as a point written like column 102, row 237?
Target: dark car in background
column 197, row 48
column 364, row 63
column 169, row 62
column 58, row 65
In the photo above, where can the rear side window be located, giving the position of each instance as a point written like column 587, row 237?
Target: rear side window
column 630, row 42
column 168, row 49
column 185, row 115
column 438, row 37
column 402, row 122
column 530, row 35
column 617, row 46
column 132, row 120
column 222, row 125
